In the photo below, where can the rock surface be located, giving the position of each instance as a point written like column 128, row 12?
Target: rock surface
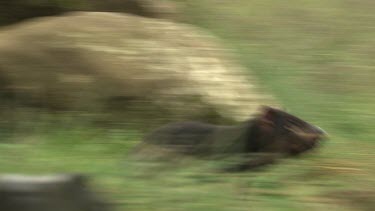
column 106, row 61
column 47, row 193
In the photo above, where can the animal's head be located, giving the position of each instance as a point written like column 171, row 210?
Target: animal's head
column 284, row 133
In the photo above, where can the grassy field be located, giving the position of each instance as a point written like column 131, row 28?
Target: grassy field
column 315, row 57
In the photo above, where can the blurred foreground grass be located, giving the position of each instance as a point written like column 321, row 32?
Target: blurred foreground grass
column 316, row 57
column 339, row 177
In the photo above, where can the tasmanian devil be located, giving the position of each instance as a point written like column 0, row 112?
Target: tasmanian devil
column 271, row 134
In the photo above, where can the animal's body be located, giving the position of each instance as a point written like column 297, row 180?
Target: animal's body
column 272, row 134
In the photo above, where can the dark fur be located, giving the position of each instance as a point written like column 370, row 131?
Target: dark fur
column 273, row 133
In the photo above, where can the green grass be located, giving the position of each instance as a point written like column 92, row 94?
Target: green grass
column 314, row 56
column 308, row 183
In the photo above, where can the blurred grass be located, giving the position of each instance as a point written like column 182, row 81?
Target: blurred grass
column 316, row 182
column 316, row 57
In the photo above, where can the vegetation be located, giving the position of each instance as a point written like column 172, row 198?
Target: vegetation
column 315, row 57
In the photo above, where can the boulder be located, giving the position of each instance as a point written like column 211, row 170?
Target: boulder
column 46, row 193
column 106, row 62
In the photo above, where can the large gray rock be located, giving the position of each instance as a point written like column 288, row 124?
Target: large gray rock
column 101, row 61
column 47, row 193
